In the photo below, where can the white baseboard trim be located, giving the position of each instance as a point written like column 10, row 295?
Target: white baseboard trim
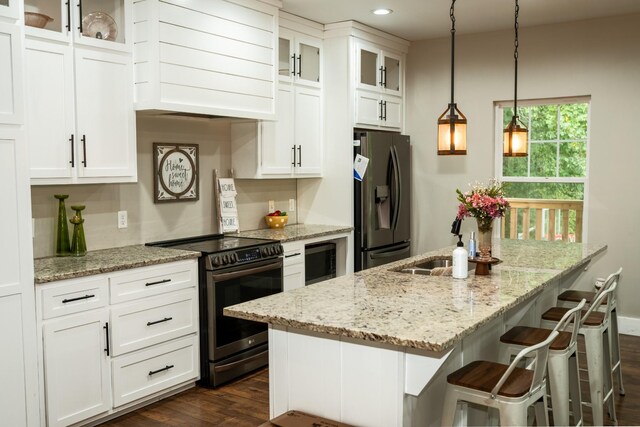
column 629, row 325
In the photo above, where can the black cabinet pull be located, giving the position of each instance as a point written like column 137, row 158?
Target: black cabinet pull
column 66, row 300
column 290, row 255
column 299, row 64
column 384, row 76
column 84, row 150
column 166, row 368
column 381, row 82
column 80, row 17
column 158, row 282
column 294, row 156
column 293, row 57
column 166, row 319
column 73, row 155
column 380, row 115
column 106, row 328
column 299, row 155
column 385, row 110
column 68, row 15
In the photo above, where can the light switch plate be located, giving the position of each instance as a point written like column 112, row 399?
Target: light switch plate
column 292, row 205
column 272, row 206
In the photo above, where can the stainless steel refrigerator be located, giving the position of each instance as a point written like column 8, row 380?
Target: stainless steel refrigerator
column 382, row 216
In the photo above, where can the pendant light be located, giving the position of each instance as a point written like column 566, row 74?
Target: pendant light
column 516, row 135
column 452, row 127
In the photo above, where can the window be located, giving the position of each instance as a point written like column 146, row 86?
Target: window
column 547, row 188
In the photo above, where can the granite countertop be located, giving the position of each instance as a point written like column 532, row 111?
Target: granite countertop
column 425, row 312
column 296, row 232
column 104, row 261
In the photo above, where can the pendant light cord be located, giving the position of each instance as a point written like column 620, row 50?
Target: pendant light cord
column 453, row 48
column 515, row 57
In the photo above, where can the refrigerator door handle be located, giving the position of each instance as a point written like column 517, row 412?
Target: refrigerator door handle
column 397, row 187
column 390, row 254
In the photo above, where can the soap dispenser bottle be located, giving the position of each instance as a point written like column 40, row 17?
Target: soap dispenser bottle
column 460, row 260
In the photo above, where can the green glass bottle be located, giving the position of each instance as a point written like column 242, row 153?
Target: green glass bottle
column 78, row 242
column 63, row 247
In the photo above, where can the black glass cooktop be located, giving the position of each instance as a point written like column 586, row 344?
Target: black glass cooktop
column 212, row 243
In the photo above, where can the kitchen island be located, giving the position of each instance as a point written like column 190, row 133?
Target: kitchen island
column 374, row 348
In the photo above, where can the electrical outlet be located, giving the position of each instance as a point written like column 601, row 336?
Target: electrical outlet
column 122, row 219
column 292, row 205
column 272, row 206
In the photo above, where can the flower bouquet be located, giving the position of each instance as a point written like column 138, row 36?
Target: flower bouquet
column 484, row 203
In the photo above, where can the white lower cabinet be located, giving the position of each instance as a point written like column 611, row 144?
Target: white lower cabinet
column 100, row 354
column 77, row 375
column 293, row 271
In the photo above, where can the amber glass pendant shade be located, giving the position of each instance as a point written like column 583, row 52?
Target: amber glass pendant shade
column 516, row 139
column 454, row 123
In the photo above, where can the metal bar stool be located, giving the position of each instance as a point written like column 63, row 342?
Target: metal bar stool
column 563, row 375
column 570, row 297
column 594, row 327
column 507, row 388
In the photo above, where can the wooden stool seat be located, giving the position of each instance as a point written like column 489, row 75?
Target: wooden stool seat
column 482, row 375
column 577, row 296
column 527, row 336
column 554, row 314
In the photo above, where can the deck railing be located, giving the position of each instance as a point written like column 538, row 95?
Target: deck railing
column 554, row 220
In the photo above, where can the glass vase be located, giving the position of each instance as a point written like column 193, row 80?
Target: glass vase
column 485, row 230
column 63, row 246
column 78, row 242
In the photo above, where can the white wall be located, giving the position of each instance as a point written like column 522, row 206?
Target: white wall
column 148, row 221
column 595, row 57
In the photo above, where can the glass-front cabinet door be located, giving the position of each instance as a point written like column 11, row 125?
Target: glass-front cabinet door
column 391, row 72
column 299, row 58
column 368, row 72
column 378, row 69
column 99, row 23
column 9, row 9
column 308, row 66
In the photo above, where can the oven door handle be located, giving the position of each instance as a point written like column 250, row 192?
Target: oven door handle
column 245, row 272
column 232, row 365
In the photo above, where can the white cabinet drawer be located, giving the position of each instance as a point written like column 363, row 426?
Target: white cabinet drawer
column 152, row 321
column 74, row 296
column 140, row 374
column 293, row 253
column 154, row 280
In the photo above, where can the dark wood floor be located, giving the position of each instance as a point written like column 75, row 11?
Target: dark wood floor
column 245, row 403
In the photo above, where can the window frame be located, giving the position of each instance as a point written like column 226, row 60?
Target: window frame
column 498, row 147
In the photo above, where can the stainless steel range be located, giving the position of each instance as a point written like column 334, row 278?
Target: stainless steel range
column 232, row 270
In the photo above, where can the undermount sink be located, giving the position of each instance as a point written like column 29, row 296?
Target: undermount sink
column 434, row 267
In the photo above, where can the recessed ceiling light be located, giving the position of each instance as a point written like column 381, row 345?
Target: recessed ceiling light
column 381, row 11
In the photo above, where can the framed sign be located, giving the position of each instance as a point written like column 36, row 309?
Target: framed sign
column 175, row 169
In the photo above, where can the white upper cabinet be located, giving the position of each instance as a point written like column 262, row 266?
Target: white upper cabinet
column 300, row 58
column 9, row 9
column 10, row 75
column 378, row 69
column 379, row 82
column 216, row 57
column 80, row 120
column 96, row 23
column 292, row 145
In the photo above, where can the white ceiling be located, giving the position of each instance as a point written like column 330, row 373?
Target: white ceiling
column 426, row 19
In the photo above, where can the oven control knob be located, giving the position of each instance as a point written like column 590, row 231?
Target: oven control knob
column 270, row 250
column 225, row 259
column 215, row 261
column 234, row 258
column 265, row 251
column 280, row 250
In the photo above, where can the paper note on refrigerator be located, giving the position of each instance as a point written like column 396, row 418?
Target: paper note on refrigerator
column 360, row 167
